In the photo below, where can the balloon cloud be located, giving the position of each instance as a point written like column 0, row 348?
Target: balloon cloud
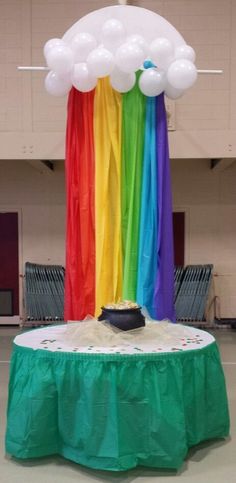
column 117, row 42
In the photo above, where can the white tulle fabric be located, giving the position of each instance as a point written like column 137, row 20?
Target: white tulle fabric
column 93, row 336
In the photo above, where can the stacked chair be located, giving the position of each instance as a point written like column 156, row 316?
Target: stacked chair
column 192, row 286
column 44, row 292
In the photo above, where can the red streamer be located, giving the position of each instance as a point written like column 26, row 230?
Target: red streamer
column 80, row 231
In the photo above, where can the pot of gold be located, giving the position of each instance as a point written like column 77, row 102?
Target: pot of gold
column 125, row 315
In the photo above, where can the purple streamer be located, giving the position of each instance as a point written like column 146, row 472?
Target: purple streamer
column 163, row 297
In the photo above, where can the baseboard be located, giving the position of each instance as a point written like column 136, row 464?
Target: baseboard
column 10, row 320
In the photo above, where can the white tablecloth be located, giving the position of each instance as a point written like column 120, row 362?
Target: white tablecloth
column 153, row 338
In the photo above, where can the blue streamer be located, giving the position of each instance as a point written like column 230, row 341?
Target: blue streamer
column 148, row 254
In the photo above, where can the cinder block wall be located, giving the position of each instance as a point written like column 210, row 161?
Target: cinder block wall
column 39, row 197
column 208, row 199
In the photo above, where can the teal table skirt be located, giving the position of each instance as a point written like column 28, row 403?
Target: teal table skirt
column 114, row 411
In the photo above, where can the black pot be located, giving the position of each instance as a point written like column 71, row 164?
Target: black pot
column 124, row 319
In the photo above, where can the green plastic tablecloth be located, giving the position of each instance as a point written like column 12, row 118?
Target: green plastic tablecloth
column 114, row 411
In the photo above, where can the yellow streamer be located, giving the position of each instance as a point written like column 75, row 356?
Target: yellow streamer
column 107, row 137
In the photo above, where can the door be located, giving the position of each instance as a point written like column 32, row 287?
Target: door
column 179, row 237
column 9, row 265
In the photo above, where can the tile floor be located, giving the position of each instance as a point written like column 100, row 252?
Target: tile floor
column 207, row 463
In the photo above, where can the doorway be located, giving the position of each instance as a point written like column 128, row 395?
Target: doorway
column 9, row 266
column 179, row 238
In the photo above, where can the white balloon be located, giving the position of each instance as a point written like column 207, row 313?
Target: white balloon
column 182, row 74
column 50, row 44
column 113, row 33
column 129, row 57
column 162, row 52
column 152, row 82
column 60, row 59
column 82, row 44
column 100, row 62
column 139, row 40
column 122, row 82
column 185, row 52
column 173, row 93
column 57, row 86
column 82, row 79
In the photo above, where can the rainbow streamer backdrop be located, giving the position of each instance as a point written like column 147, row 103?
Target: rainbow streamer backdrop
column 119, row 211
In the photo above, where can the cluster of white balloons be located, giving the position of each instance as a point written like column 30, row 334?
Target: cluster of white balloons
column 82, row 61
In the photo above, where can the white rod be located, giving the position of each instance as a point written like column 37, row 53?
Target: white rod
column 210, row 71
column 200, row 71
column 30, row 67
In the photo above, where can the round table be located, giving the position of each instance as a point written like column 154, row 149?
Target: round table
column 115, row 407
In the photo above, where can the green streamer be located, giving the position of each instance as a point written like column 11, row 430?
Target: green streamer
column 133, row 127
